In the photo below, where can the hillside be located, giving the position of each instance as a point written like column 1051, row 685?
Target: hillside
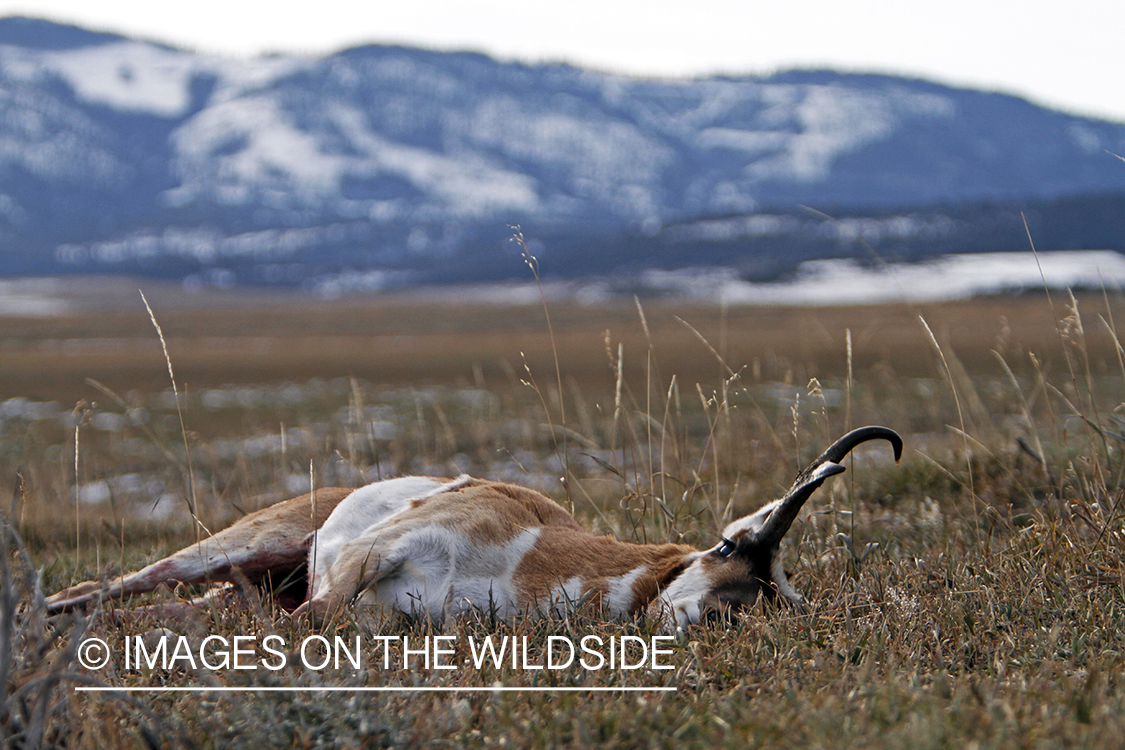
column 124, row 155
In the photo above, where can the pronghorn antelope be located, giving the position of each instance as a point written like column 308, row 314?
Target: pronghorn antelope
column 441, row 547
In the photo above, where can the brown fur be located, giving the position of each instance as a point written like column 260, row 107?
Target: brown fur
column 489, row 513
column 268, row 542
column 733, row 584
column 561, row 553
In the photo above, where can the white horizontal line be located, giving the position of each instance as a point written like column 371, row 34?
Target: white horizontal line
column 339, row 689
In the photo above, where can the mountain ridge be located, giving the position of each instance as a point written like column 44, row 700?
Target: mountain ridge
column 120, row 154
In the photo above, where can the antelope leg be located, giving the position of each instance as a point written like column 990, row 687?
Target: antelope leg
column 271, row 540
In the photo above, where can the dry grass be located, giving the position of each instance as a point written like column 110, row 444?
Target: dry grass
column 971, row 595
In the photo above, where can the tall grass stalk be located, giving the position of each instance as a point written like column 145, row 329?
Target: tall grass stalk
column 948, row 374
column 564, row 455
column 191, row 496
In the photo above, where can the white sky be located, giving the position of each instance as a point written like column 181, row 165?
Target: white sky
column 1065, row 55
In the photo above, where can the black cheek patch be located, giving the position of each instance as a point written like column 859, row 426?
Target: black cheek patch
column 726, row 601
column 734, row 585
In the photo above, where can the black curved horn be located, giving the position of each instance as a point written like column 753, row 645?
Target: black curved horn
column 842, row 447
column 813, row 476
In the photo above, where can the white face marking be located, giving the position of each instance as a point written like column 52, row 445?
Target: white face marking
column 751, row 523
column 679, row 604
column 777, row 573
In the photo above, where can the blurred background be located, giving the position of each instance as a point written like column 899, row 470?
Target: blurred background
column 439, row 239
column 641, row 149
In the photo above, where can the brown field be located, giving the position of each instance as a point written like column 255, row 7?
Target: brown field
column 972, row 595
column 399, row 340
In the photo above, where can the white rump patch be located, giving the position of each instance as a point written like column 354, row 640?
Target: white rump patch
column 368, row 508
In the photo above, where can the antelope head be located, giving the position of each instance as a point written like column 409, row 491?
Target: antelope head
column 746, row 564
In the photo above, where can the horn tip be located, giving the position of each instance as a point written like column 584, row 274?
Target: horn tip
column 825, row 470
column 890, row 436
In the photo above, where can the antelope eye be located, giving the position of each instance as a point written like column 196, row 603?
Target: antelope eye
column 725, row 549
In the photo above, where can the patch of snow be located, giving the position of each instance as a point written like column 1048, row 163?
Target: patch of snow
column 239, row 77
column 129, row 76
column 206, row 246
column 605, row 153
column 134, row 76
column 845, row 282
column 52, row 142
column 93, row 493
column 244, row 148
column 239, row 145
column 801, row 131
column 1086, row 137
column 166, row 507
column 751, row 142
column 337, row 285
column 24, row 408
column 830, row 122
column 845, row 231
column 31, row 298
column 467, row 181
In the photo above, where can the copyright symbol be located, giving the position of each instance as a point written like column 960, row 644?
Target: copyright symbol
column 93, row 653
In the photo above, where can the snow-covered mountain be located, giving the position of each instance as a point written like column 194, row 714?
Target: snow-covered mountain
column 123, row 154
